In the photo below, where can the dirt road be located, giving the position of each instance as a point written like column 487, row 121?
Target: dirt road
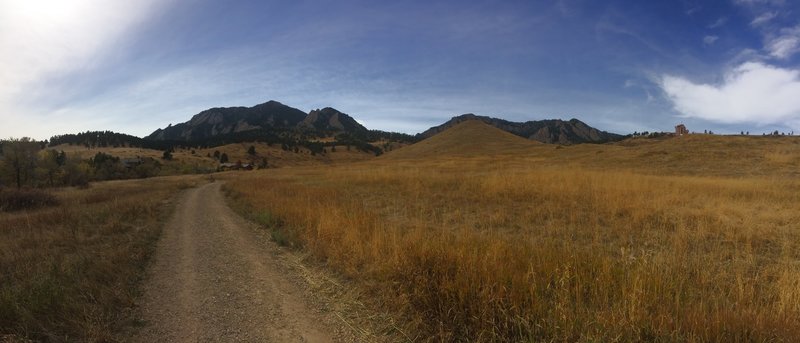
column 215, row 280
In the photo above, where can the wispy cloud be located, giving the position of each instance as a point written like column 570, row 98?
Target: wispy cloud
column 763, row 18
column 769, row 18
column 760, row 2
column 750, row 93
column 709, row 40
column 786, row 44
column 605, row 26
column 563, row 7
column 719, row 22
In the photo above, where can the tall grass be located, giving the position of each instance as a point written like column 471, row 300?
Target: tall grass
column 22, row 199
column 511, row 251
column 69, row 272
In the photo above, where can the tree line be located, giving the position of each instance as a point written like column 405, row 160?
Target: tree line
column 25, row 162
column 287, row 139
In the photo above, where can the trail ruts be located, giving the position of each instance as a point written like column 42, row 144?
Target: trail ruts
column 213, row 280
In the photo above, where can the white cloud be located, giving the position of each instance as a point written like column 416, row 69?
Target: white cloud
column 786, row 44
column 708, row 40
column 763, row 18
column 768, row 14
column 750, row 93
column 44, row 39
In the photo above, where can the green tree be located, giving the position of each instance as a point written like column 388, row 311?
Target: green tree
column 19, row 160
column 107, row 167
column 50, row 164
column 77, row 172
column 252, row 157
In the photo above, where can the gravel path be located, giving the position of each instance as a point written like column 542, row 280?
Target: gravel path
column 214, row 280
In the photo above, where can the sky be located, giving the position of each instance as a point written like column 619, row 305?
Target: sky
column 68, row 66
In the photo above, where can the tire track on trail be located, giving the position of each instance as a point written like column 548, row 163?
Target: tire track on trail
column 213, row 280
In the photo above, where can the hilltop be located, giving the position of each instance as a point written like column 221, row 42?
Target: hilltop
column 551, row 131
column 695, row 154
column 226, row 120
column 331, row 120
column 271, row 120
column 465, row 138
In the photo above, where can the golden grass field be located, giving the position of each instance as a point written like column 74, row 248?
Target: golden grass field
column 70, row 273
column 693, row 238
column 471, row 235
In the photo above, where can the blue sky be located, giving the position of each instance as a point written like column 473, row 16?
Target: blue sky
column 74, row 65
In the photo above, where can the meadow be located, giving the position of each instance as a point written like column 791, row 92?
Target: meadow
column 471, row 235
column 680, row 239
column 69, row 271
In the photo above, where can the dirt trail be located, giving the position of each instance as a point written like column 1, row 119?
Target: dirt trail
column 213, row 280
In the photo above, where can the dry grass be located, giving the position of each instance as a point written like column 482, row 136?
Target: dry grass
column 68, row 273
column 25, row 199
column 529, row 246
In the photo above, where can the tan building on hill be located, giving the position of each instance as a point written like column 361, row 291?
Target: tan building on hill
column 681, row 130
column 234, row 166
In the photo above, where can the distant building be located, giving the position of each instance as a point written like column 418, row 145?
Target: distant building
column 681, row 130
column 234, row 166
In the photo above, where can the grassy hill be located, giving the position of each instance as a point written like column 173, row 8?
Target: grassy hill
column 699, row 154
column 468, row 138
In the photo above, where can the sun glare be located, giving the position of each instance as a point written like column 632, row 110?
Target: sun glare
column 46, row 13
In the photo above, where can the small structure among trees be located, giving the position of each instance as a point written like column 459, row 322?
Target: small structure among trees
column 234, row 166
column 681, row 130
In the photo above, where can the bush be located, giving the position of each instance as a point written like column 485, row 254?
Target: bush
column 25, row 199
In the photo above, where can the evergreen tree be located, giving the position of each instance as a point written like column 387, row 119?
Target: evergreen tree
column 19, row 160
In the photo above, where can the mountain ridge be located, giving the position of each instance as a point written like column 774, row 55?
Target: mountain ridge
column 551, row 131
column 331, row 119
column 226, row 120
column 271, row 116
column 278, row 119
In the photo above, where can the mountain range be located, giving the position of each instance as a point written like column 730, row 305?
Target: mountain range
column 276, row 118
column 217, row 121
